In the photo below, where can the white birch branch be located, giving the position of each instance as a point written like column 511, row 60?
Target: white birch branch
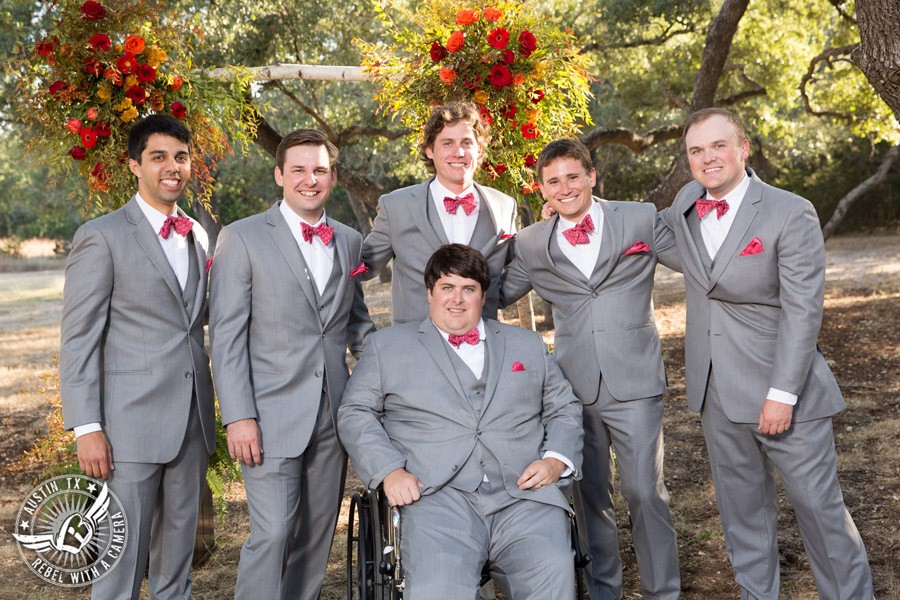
column 283, row 71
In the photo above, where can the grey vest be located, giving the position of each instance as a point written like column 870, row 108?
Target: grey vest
column 193, row 280
column 562, row 261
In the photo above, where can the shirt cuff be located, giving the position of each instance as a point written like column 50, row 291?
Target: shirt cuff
column 81, row 430
column 782, row 396
column 570, row 468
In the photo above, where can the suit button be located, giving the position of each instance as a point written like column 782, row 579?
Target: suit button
column 478, row 432
column 594, row 294
column 185, row 303
column 188, row 375
column 318, row 373
column 323, row 335
column 455, row 468
column 481, row 463
column 477, row 392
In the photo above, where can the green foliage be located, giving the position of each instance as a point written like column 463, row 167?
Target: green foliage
column 521, row 70
column 222, row 471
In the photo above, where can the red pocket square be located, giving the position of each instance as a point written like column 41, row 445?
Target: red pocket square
column 208, row 264
column 362, row 268
column 754, row 247
column 517, row 366
column 506, row 236
column 638, row 247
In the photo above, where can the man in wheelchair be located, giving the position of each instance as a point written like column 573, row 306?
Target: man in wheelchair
column 468, row 424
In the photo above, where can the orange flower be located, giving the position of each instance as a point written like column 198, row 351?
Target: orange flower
column 530, row 188
column 134, row 44
column 157, row 102
column 492, row 14
column 114, row 76
column 455, row 41
column 466, row 16
column 518, row 79
column 447, row 75
column 176, row 83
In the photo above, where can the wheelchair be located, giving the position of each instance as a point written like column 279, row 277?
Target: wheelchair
column 374, row 564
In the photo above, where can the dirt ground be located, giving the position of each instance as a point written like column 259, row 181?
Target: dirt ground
column 860, row 338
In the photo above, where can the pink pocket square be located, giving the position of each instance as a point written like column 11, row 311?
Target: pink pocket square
column 517, row 366
column 638, row 247
column 362, row 268
column 754, row 247
column 506, row 236
column 208, row 265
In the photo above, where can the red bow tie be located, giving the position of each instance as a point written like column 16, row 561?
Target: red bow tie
column 324, row 232
column 704, row 206
column 181, row 225
column 470, row 338
column 467, row 202
column 579, row 234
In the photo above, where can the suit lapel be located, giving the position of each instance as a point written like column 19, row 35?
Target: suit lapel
column 493, row 360
column 147, row 240
column 342, row 254
column 745, row 215
column 613, row 230
column 431, row 339
column 287, row 245
column 199, row 256
column 690, row 225
column 418, row 210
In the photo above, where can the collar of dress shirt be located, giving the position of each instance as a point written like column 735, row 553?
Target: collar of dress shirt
column 155, row 217
column 295, row 221
column 596, row 217
column 481, row 332
column 734, row 197
column 439, row 192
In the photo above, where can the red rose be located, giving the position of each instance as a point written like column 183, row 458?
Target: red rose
column 99, row 42
column 137, row 94
column 93, row 10
column 455, row 41
column 46, row 47
column 498, row 170
column 145, row 73
column 466, row 16
column 498, row 38
column 56, row 87
column 527, row 43
column 507, row 57
column 114, row 76
column 530, row 132
column 492, row 14
column 93, row 113
column 537, row 96
column 530, row 160
column 134, row 44
column 447, row 75
column 176, row 83
column 93, row 66
column 77, row 153
column 126, row 63
column 99, row 172
column 102, row 128
column 88, row 137
column 500, row 76
column 73, row 125
column 178, row 110
column 438, row 52
column 510, row 112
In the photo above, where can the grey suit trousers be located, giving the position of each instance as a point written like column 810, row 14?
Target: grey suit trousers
column 742, row 461
column 294, row 505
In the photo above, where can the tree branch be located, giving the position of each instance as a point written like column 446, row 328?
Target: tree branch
column 625, row 137
column 844, row 15
column 308, row 110
column 285, row 71
column 809, row 77
column 362, row 131
column 853, row 195
column 666, row 35
column 715, row 52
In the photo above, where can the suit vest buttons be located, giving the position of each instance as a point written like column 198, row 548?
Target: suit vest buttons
column 477, row 432
column 188, row 375
column 318, row 373
column 594, row 294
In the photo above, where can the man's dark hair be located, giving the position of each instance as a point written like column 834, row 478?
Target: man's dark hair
column 305, row 137
column 564, row 148
column 450, row 114
column 703, row 114
column 457, row 259
column 141, row 131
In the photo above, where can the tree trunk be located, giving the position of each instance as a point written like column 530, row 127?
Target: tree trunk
column 878, row 53
column 362, row 215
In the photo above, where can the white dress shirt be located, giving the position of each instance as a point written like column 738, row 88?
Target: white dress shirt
column 459, row 227
column 177, row 253
column 473, row 356
column 319, row 257
column 583, row 256
column 714, row 231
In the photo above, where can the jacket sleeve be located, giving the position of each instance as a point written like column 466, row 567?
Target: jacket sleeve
column 377, row 250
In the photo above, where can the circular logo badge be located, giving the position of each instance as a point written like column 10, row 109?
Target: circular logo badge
column 71, row 530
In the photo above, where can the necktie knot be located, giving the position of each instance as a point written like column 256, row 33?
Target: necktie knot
column 579, row 234
column 703, row 206
column 181, row 225
column 467, row 202
column 324, row 232
column 471, row 337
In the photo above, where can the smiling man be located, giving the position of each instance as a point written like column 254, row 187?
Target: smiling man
column 447, row 208
column 134, row 374
column 468, row 424
column 285, row 304
column 754, row 268
column 594, row 262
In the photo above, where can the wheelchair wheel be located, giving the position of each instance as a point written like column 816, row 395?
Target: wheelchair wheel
column 363, row 542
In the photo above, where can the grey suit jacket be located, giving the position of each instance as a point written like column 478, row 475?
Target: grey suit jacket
column 604, row 321
column 131, row 357
column 272, row 349
column 403, row 232
column 756, row 318
column 404, row 407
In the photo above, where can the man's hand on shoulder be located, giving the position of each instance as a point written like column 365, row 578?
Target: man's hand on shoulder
column 541, row 473
column 243, row 442
column 402, row 487
column 547, row 211
column 775, row 417
column 95, row 454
